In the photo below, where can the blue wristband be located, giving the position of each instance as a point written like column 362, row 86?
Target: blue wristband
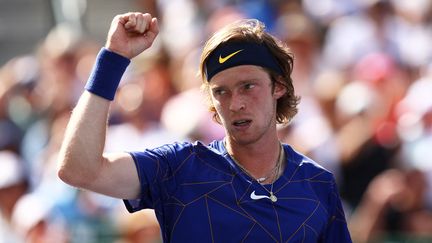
column 106, row 74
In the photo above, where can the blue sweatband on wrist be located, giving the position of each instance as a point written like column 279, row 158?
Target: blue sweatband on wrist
column 106, row 74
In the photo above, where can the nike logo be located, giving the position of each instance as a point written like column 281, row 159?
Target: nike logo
column 253, row 196
column 224, row 59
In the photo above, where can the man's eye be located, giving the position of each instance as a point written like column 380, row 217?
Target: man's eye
column 219, row 92
column 249, row 86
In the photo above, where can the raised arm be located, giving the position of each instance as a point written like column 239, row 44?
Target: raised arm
column 81, row 159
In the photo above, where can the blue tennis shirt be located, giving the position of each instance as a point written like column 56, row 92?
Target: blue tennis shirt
column 200, row 195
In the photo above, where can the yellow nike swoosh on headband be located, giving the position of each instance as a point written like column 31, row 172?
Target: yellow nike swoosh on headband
column 224, row 59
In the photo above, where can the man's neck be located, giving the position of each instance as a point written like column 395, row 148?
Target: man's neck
column 257, row 158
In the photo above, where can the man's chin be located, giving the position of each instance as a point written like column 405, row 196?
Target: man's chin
column 243, row 139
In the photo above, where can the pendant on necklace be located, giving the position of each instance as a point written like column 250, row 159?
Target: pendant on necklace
column 273, row 198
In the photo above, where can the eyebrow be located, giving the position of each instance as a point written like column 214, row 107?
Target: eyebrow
column 239, row 83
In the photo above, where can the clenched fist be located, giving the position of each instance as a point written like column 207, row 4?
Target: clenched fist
column 132, row 33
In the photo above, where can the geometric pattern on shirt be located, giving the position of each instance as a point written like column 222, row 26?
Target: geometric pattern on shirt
column 205, row 197
column 307, row 215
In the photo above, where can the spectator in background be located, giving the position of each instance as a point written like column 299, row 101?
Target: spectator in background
column 137, row 115
column 16, row 80
column 393, row 204
column 24, row 215
column 14, row 184
column 141, row 227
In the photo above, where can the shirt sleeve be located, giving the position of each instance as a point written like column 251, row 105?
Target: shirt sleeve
column 337, row 229
column 154, row 167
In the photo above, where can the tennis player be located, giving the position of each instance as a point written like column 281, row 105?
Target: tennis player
column 248, row 187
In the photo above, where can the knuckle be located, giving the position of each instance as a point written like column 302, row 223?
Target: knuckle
column 117, row 17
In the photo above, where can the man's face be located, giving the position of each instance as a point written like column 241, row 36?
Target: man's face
column 245, row 102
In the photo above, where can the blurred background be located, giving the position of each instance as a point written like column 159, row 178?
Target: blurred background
column 362, row 67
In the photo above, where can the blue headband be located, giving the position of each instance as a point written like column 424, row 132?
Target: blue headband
column 231, row 54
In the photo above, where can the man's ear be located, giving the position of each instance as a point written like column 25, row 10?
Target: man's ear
column 279, row 89
column 216, row 117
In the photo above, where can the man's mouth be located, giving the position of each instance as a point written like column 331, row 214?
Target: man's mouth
column 241, row 123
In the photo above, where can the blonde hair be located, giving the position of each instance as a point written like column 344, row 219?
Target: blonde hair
column 252, row 30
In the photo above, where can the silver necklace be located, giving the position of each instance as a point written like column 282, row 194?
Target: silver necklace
column 272, row 196
column 277, row 168
column 271, row 173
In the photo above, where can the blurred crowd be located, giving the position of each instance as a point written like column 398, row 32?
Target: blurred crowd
column 363, row 69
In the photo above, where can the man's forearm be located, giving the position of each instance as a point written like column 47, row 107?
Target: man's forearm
column 81, row 152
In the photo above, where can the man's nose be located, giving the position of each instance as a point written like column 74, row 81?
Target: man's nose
column 237, row 103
